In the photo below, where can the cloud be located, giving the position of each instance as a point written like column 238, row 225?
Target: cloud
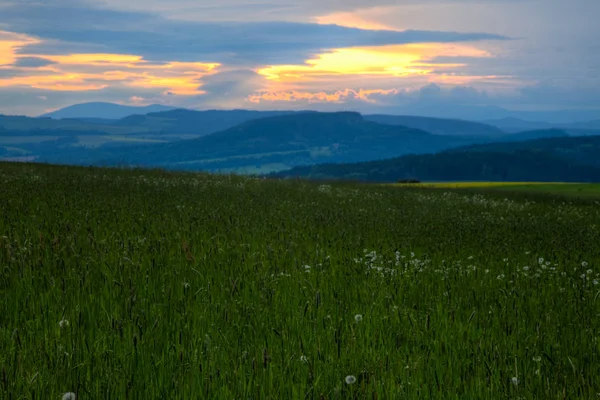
column 269, row 10
column 63, row 23
column 390, row 61
column 32, row 62
column 379, row 55
column 98, row 71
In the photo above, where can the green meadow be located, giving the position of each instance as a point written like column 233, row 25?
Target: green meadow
column 136, row 284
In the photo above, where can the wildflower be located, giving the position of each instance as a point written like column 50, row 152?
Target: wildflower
column 515, row 381
column 358, row 318
column 595, row 281
column 69, row 396
column 582, row 276
column 63, row 323
column 487, row 271
column 350, row 379
column 525, row 268
column 541, row 261
column 584, row 264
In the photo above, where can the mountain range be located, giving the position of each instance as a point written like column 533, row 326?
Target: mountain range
column 260, row 142
column 492, row 115
column 279, row 142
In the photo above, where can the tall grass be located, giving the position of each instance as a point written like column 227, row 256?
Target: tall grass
column 144, row 284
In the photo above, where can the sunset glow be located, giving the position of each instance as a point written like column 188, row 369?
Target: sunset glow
column 85, row 72
column 400, row 60
column 279, row 55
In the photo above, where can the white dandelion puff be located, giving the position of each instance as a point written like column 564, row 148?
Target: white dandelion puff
column 500, row 277
column 63, row 323
column 584, row 264
column 358, row 318
column 69, row 396
column 350, row 379
column 515, row 381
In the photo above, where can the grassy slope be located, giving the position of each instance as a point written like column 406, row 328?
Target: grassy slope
column 190, row 286
column 570, row 190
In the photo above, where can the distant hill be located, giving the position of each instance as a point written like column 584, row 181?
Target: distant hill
column 513, row 125
column 103, row 111
column 196, row 122
column 589, row 125
column 582, row 150
column 439, row 126
column 532, row 135
column 557, row 159
column 281, row 142
column 44, row 137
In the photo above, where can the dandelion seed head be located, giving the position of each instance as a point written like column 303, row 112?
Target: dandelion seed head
column 350, row 379
column 358, row 317
column 69, row 396
column 515, row 380
column 63, row 323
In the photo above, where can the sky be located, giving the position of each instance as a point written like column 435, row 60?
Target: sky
column 388, row 56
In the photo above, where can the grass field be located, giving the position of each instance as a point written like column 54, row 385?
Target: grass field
column 561, row 189
column 121, row 284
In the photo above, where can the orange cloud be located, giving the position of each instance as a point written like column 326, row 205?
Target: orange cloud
column 66, row 82
column 10, row 43
column 82, row 72
column 351, row 20
column 393, row 61
column 319, row 97
column 177, row 78
column 368, row 66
